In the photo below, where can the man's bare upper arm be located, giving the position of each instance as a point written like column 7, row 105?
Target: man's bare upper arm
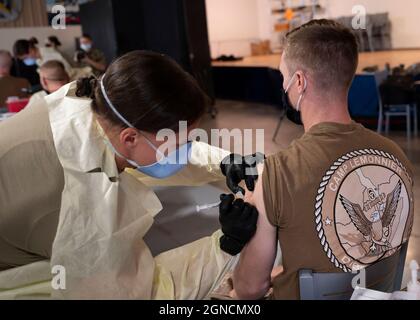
column 252, row 275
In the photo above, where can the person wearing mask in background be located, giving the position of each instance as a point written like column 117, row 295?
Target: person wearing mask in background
column 53, row 76
column 10, row 86
column 76, row 184
column 340, row 198
column 25, row 61
column 90, row 56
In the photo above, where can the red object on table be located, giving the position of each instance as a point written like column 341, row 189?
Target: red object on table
column 17, row 105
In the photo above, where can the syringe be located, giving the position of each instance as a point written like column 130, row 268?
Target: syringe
column 209, row 206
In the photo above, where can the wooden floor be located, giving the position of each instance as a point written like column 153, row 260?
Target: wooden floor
column 394, row 58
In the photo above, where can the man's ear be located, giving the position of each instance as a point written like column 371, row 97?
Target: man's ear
column 44, row 83
column 301, row 81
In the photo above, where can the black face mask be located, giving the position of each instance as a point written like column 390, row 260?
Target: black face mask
column 291, row 113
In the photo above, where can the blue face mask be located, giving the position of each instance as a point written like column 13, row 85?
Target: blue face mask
column 167, row 166
column 29, row 62
column 86, row 47
column 164, row 168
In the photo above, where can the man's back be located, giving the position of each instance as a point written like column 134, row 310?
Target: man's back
column 341, row 197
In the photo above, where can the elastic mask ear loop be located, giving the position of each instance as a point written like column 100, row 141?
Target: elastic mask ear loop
column 111, row 106
column 290, row 83
column 303, row 93
column 119, row 115
column 153, row 146
column 109, row 144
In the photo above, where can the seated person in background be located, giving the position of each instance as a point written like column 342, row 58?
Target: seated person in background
column 90, row 56
column 340, row 198
column 25, row 66
column 10, row 86
column 53, row 77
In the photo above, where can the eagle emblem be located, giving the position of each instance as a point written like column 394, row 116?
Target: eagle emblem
column 376, row 227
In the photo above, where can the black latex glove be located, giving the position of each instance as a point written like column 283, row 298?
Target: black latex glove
column 239, row 223
column 237, row 168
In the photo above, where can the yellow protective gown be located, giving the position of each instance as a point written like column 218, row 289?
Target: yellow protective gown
column 105, row 215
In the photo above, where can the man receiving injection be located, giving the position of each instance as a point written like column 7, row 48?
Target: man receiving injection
column 237, row 218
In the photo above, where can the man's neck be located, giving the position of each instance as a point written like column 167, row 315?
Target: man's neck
column 317, row 113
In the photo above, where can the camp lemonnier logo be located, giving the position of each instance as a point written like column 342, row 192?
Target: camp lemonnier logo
column 363, row 209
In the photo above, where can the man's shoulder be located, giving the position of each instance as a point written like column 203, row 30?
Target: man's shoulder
column 317, row 151
column 293, row 150
column 380, row 143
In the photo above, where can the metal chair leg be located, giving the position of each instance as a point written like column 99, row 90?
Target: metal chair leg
column 370, row 39
column 282, row 115
column 408, row 117
column 387, row 116
column 380, row 121
column 361, row 40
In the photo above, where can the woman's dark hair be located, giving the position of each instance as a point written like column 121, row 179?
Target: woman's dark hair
column 150, row 90
column 33, row 41
column 22, row 47
column 54, row 40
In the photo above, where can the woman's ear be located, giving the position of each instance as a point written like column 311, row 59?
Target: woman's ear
column 129, row 137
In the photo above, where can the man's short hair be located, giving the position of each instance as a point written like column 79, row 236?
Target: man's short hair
column 5, row 59
column 325, row 49
column 87, row 36
column 54, row 70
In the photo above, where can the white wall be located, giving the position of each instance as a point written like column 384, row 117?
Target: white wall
column 404, row 15
column 8, row 36
column 233, row 25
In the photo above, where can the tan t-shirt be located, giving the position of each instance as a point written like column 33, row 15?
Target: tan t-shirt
column 341, row 197
column 31, row 183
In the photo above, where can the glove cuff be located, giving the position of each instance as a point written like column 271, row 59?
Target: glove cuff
column 230, row 245
column 231, row 160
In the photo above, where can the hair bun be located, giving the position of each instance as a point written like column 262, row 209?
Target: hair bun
column 86, row 87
